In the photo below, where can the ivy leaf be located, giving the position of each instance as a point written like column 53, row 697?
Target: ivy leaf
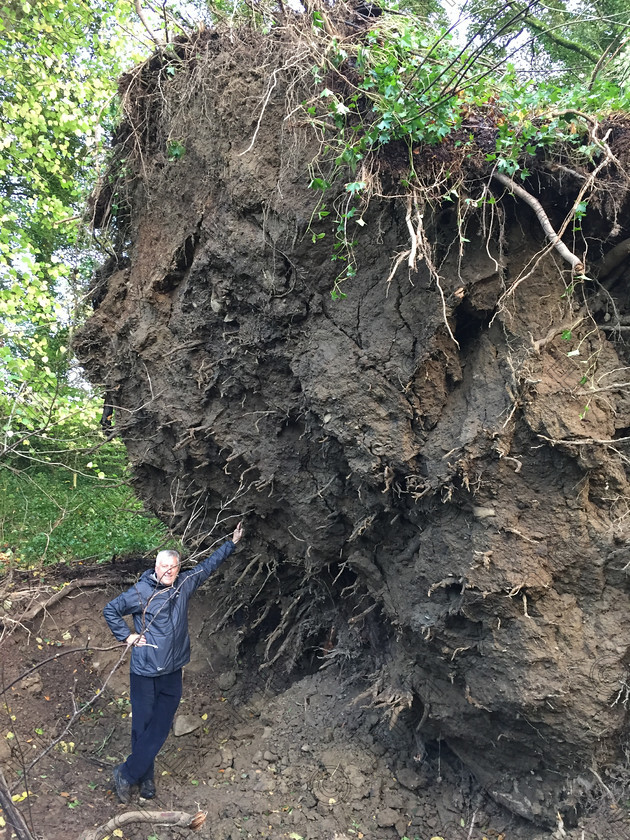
column 355, row 187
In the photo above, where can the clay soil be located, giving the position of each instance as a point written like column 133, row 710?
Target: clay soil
column 302, row 758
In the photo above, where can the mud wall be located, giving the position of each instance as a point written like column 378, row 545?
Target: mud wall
column 434, row 491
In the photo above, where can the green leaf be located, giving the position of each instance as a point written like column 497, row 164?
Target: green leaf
column 175, row 150
column 355, row 186
column 319, row 184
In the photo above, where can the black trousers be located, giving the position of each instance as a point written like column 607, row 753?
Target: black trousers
column 154, row 701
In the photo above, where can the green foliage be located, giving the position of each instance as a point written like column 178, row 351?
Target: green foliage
column 59, row 62
column 47, row 131
column 84, row 511
column 175, row 150
column 57, row 58
column 411, row 83
column 585, row 38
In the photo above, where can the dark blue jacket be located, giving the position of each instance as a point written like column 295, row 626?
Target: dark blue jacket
column 161, row 614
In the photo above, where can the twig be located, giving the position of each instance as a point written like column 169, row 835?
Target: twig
column 584, row 441
column 618, row 46
column 14, row 818
column 145, row 23
column 85, row 649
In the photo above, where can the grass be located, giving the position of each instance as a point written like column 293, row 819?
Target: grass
column 55, row 514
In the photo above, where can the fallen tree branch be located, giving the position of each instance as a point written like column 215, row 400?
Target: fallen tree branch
column 574, row 261
column 176, row 818
column 34, row 611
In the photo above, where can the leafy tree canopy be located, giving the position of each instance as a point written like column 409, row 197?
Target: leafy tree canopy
column 59, row 61
column 556, row 38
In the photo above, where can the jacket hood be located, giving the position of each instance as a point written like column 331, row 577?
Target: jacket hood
column 149, row 578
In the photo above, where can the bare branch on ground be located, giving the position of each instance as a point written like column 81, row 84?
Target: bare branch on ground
column 14, row 818
column 175, row 818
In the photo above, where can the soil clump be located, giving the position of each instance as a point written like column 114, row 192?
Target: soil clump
column 433, row 471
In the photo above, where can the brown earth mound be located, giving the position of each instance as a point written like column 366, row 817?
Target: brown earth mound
column 432, row 472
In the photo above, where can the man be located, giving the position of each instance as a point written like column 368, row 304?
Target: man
column 160, row 647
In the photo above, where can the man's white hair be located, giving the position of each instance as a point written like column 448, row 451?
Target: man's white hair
column 166, row 555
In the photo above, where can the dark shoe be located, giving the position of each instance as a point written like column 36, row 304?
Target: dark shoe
column 147, row 789
column 123, row 788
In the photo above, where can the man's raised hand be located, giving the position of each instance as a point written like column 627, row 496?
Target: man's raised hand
column 238, row 533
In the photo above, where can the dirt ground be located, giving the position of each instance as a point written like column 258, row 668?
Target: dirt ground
column 261, row 756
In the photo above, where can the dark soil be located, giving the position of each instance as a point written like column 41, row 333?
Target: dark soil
column 432, row 472
column 309, row 759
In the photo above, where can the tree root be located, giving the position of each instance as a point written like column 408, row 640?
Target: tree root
column 613, row 259
column 420, row 249
column 584, row 441
column 384, row 696
column 176, row 818
column 574, row 261
column 569, row 324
